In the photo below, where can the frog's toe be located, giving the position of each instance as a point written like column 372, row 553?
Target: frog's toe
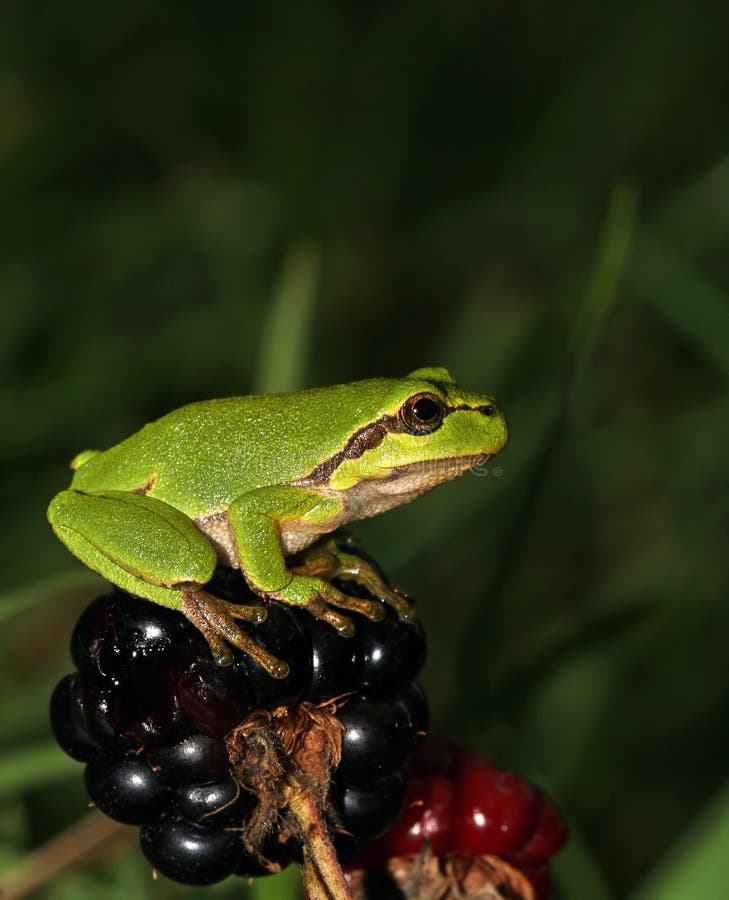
column 254, row 614
column 401, row 605
column 320, row 610
column 219, row 650
column 372, row 609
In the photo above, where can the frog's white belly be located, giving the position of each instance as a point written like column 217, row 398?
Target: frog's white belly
column 217, row 530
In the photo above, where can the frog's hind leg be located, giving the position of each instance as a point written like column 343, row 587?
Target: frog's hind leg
column 150, row 549
column 215, row 619
column 332, row 562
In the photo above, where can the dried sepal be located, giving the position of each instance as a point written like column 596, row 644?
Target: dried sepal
column 453, row 876
column 280, row 756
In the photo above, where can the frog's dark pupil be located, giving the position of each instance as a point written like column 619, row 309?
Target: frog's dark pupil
column 425, row 409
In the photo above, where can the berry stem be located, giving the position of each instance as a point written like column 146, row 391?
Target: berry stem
column 322, row 874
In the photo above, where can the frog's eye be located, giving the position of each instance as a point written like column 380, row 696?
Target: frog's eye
column 422, row 413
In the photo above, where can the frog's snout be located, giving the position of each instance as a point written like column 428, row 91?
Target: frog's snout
column 498, row 428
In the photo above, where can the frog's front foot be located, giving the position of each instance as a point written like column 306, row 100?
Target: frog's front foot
column 336, row 563
column 215, row 618
column 318, row 596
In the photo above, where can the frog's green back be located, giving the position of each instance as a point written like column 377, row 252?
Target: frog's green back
column 201, row 456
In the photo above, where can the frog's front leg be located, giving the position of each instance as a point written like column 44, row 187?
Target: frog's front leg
column 152, row 550
column 261, row 519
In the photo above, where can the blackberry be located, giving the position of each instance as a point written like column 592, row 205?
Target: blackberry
column 220, row 766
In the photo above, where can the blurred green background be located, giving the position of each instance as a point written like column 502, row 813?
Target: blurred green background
column 208, row 199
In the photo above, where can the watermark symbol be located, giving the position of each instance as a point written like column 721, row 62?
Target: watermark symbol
column 485, row 469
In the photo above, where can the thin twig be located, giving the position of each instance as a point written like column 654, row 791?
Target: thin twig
column 64, row 851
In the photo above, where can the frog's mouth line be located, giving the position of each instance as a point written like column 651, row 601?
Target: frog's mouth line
column 443, row 465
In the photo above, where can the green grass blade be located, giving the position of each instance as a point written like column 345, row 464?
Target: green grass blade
column 32, row 766
column 285, row 337
column 699, row 865
column 599, row 297
column 615, row 245
column 694, row 305
column 14, row 603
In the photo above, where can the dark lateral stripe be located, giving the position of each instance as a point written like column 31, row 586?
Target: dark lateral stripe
column 486, row 409
column 366, row 438
column 370, row 437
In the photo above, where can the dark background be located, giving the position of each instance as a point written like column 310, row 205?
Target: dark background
column 209, row 199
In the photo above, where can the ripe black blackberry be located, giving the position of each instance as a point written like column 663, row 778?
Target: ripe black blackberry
column 224, row 769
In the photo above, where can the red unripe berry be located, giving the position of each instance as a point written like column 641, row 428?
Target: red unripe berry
column 428, row 813
column 549, row 835
column 495, row 811
column 470, row 758
column 460, row 802
column 441, row 754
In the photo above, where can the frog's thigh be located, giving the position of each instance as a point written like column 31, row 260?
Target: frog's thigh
column 136, row 542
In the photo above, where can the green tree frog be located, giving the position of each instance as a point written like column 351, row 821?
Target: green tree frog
column 248, row 481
